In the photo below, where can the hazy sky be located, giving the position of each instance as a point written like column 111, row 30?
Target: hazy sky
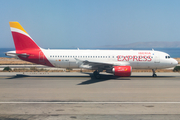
column 91, row 23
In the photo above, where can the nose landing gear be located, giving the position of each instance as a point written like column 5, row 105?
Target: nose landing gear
column 154, row 73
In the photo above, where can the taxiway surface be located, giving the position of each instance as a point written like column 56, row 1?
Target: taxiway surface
column 81, row 96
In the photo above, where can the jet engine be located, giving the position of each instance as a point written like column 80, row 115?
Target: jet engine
column 122, row 71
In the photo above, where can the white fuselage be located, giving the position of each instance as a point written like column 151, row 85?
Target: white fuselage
column 137, row 59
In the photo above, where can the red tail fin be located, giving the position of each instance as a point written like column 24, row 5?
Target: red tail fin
column 22, row 40
column 26, row 48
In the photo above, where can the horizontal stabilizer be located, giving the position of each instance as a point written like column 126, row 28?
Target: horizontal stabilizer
column 14, row 54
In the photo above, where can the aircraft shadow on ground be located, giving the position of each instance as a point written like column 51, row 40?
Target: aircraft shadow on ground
column 102, row 79
column 92, row 80
column 50, row 76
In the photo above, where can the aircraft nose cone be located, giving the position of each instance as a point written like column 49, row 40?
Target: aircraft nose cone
column 174, row 62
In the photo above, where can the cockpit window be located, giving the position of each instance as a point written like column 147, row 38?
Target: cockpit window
column 167, row 57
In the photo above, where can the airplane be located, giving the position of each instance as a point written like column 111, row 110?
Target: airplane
column 118, row 62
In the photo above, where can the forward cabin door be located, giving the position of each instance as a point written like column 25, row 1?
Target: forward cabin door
column 156, row 58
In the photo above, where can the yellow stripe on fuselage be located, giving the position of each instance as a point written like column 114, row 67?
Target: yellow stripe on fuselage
column 17, row 26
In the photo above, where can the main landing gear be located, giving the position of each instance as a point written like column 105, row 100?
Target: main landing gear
column 154, row 73
column 96, row 74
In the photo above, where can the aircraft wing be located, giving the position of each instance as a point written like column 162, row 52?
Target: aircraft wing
column 96, row 64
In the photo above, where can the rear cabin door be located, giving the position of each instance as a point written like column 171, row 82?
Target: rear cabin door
column 41, row 56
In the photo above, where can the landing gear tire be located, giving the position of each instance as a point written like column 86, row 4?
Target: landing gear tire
column 96, row 75
column 154, row 75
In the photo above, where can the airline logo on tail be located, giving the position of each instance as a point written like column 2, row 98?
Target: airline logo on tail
column 21, row 38
column 16, row 27
column 26, row 48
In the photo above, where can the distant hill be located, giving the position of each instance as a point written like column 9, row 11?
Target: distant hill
column 145, row 45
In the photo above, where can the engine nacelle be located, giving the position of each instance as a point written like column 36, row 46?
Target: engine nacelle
column 123, row 71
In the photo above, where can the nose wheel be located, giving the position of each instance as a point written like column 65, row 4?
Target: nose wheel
column 154, row 73
column 96, row 74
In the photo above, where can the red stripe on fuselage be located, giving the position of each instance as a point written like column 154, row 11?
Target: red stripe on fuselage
column 25, row 44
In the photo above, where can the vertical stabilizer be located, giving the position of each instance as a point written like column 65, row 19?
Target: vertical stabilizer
column 22, row 40
column 26, row 48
